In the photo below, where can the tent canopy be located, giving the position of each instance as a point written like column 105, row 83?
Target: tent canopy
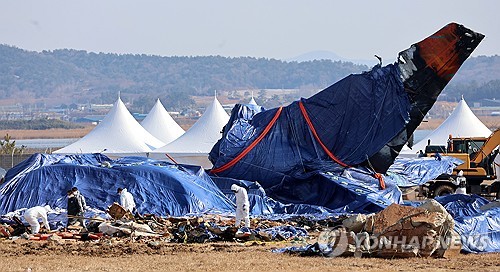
column 252, row 101
column 161, row 125
column 461, row 123
column 194, row 145
column 118, row 134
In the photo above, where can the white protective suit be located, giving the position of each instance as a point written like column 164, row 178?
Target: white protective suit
column 461, row 183
column 127, row 200
column 242, row 205
column 33, row 214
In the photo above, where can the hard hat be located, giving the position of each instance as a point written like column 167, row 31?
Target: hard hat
column 234, row 188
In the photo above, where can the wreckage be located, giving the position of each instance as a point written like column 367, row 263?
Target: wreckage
column 356, row 127
column 362, row 121
column 325, row 155
column 326, row 151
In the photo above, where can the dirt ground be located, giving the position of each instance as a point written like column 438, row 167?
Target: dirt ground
column 107, row 255
column 46, row 134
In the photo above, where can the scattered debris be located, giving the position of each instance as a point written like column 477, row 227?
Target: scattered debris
column 118, row 212
column 397, row 231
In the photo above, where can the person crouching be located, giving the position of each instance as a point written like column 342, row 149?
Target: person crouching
column 33, row 214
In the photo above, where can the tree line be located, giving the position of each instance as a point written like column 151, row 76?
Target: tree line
column 37, row 124
column 76, row 76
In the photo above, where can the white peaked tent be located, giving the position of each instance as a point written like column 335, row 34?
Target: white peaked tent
column 161, row 125
column 194, row 145
column 119, row 134
column 461, row 123
column 252, row 101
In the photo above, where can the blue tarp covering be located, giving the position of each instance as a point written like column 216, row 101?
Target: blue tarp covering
column 318, row 193
column 284, row 232
column 158, row 187
column 261, row 204
column 413, row 172
column 165, row 189
column 354, row 118
column 459, row 205
column 479, row 231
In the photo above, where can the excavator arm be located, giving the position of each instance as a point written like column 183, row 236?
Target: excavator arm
column 491, row 143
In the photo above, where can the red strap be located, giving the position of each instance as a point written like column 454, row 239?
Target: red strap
column 250, row 147
column 170, row 158
column 311, row 127
column 381, row 181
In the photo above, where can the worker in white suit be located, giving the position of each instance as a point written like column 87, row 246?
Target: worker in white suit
column 242, row 205
column 461, row 182
column 33, row 214
column 126, row 200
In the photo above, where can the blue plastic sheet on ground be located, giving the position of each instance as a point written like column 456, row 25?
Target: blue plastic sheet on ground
column 318, row 193
column 459, row 205
column 479, row 230
column 261, row 204
column 414, row 172
column 284, row 232
column 158, row 187
column 316, row 249
column 165, row 189
column 349, row 192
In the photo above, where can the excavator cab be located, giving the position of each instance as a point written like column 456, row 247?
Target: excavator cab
column 478, row 155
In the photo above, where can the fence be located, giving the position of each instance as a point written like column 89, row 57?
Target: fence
column 8, row 161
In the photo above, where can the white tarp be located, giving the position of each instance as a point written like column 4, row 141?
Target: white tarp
column 161, row 125
column 194, row 145
column 119, row 134
column 461, row 123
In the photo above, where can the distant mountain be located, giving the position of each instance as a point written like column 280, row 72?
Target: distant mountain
column 328, row 55
column 69, row 76
column 479, row 69
column 77, row 76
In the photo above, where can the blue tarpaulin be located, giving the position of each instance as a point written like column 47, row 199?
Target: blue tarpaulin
column 165, row 189
column 417, row 171
column 459, row 205
column 362, row 121
column 158, row 187
column 318, row 193
column 479, row 230
column 354, row 118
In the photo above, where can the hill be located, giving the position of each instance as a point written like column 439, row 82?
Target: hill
column 66, row 76
column 72, row 76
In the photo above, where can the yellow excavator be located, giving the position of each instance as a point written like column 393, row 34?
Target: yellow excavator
column 479, row 168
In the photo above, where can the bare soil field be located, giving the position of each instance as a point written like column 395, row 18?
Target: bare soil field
column 492, row 122
column 22, row 255
column 46, row 134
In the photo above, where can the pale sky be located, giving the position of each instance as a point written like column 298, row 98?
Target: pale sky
column 279, row 29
